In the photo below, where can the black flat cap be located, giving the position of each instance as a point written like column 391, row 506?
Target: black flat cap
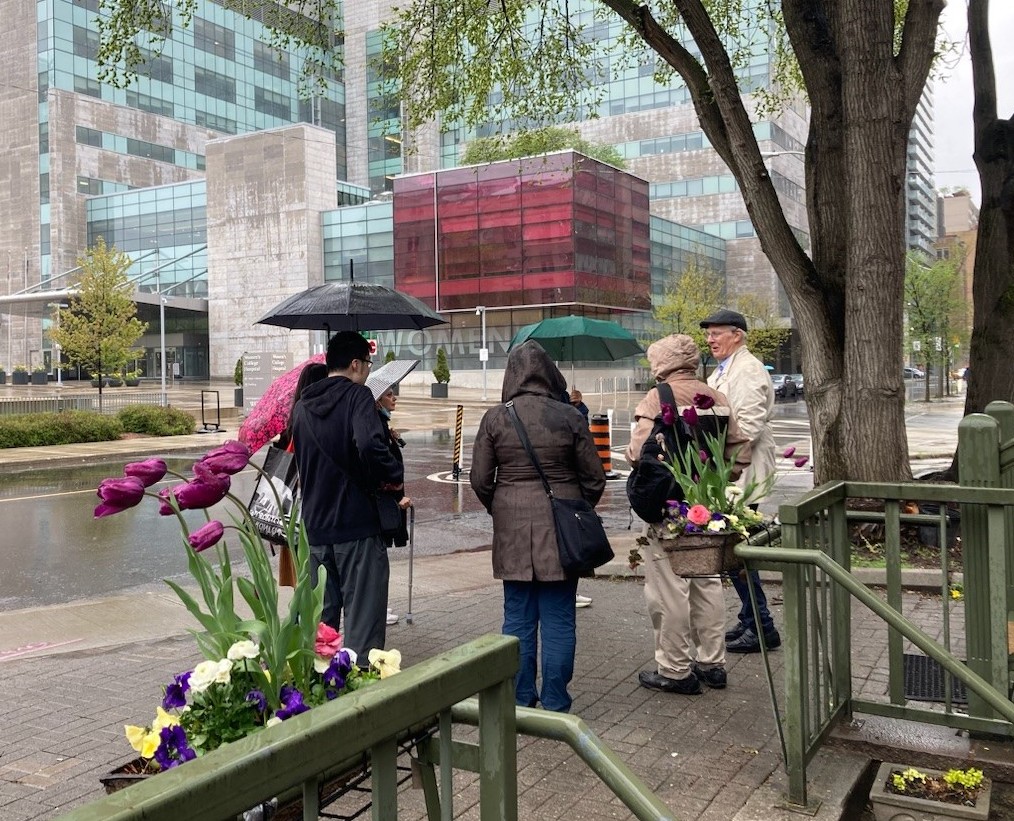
column 724, row 316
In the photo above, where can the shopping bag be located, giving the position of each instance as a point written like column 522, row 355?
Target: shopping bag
column 280, row 471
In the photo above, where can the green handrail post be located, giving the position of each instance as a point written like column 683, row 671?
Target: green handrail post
column 1003, row 413
column 794, row 648
column 498, row 754
column 841, row 609
column 979, row 466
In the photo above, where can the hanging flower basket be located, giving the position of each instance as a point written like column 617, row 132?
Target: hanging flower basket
column 699, row 554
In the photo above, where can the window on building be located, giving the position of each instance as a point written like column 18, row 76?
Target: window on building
column 88, row 136
column 271, row 61
column 214, row 84
column 214, row 39
column 44, row 138
column 89, row 186
column 43, row 189
column 272, row 103
column 84, row 85
column 153, row 105
column 156, row 67
column 215, row 122
column 86, row 43
column 140, row 148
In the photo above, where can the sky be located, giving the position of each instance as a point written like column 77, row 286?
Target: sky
column 953, row 93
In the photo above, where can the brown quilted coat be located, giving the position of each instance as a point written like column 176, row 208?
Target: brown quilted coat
column 502, row 475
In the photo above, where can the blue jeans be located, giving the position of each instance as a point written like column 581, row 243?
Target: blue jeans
column 745, row 610
column 547, row 607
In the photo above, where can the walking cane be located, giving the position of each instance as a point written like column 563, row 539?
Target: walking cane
column 411, row 551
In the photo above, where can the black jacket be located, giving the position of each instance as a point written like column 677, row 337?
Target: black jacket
column 343, row 456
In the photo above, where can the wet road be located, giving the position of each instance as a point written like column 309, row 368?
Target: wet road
column 55, row 551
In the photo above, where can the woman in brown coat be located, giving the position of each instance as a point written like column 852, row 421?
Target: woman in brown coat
column 538, row 595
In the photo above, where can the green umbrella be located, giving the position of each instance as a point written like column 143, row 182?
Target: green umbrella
column 580, row 339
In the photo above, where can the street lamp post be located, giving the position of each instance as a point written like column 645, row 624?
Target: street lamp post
column 58, row 352
column 480, row 311
column 161, row 332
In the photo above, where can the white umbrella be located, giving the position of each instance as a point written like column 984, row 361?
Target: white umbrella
column 389, row 374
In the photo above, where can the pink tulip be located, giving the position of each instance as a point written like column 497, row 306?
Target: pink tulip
column 118, row 495
column 149, row 471
column 207, row 536
column 788, row 453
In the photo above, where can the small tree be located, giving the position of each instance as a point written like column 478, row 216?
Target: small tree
column 237, row 373
column 389, row 357
column 768, row 331
column 441, row 372
column 690, row 295
column 933, row 305
column 99, row 328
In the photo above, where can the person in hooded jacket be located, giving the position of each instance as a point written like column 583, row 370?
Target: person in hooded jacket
column 344, row 460
column 687, row 614
column 538, row 595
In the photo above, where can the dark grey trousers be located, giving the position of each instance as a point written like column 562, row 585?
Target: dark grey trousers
column 357, row 577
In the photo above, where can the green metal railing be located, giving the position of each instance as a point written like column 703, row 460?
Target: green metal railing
column 417, row 707
column 818, row 589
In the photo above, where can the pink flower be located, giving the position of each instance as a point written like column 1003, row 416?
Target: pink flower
column 230, row 458
column 801, row 461
column 704, row 455
column 690, row 416
column 149, row 471
column 205, row 537
column 704, row 401
column 329, row 641
column 788, row 453
column 699, row 515
column 668, row 414
column 118, row 495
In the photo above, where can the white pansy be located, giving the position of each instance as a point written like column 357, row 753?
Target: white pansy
column 243, row 650
column 271, row 722
column 716, row 525
column 387, row 662
column 321, row 663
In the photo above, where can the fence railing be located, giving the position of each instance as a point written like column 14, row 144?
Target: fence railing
column 111, row 402
column 820, row 649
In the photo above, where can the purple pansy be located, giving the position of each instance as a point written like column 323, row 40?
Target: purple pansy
column 258, row 699
column 176, row 693
column 292, row 703
column 118, row 495
column 174, row 749
column 149, row 471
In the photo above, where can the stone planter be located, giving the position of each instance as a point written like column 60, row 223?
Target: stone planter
column 19, row 378
column 3, row 377
column 132, row 383
column 891, row 807
column 237, row 397
column 698, row 554
column 40, row 378
column 438, row 390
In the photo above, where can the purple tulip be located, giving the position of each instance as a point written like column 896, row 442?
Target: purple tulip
column 704, row 455
column 801, row 461
column 149, row 471
column 198, row 494
column 164, row 508
column 704, row 401
column 668, row 414
column 205, row 537
column 231, row 458
column 690, row 416
column 118, row 495
column 788, row 453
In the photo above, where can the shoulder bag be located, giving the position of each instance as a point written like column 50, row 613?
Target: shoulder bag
column 580, row 537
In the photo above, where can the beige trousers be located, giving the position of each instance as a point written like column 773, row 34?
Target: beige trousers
column 687, row 616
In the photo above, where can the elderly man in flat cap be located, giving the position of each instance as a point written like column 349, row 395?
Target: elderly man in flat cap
column 742, row 377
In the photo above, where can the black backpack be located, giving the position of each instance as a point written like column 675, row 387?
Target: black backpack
column 650, row 484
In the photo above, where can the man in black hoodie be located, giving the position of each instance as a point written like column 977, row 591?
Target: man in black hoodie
column 344, row 460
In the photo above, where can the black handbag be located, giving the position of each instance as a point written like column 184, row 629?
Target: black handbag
column 280, row 466
column 580, row 537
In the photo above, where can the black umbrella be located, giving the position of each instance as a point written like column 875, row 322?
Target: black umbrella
column 351, row 306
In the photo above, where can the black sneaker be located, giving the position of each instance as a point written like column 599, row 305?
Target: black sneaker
column 748, row 642
column 735, row 632
column 688, row 686
column 714, row 677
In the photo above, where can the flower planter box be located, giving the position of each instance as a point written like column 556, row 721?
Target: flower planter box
column 3, row 377
column 699, row 554
column 19, row 378
column 438, row 390
column 889, row 806
column 40, row 378
column 132, row 383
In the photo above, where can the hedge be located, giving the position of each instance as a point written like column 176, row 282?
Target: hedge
column 155, row 420
column 68, row 427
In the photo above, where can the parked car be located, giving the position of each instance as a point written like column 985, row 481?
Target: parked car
column 798, row 379
column 913, row 373
column 784, row 385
